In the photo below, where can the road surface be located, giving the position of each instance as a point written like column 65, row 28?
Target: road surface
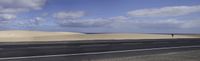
column 74, row 51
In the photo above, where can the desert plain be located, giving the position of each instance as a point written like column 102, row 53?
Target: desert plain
column 34, row 36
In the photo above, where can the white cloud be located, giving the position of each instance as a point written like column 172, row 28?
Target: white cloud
column 165, row 11
column 26, row 4
column 4, row 17
column 155, row 24
column 10, row 8
column 69, row 15
column 159, row 24
column 31, row 22
column 119, row 18
column 73, row 19
column 191, row 24
column 36, row 20
column 99, row 22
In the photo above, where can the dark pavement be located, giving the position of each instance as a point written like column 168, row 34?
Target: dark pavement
column 10, row 50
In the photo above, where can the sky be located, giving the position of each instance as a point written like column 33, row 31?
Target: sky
column 101, row 16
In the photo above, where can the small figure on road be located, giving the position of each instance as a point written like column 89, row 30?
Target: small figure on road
column 172, row 35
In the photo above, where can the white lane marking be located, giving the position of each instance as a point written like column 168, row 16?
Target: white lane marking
column 93, row 53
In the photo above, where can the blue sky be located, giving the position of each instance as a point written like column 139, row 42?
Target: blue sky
column 99, row 16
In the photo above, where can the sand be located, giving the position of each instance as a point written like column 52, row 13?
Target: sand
column 34, row 36
column 19, row 33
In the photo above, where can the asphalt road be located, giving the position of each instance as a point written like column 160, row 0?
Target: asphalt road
column 77, row 51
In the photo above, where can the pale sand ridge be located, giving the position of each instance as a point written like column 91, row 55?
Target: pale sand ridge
column 34, row 36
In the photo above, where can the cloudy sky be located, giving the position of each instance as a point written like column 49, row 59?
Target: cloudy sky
column 137, row 16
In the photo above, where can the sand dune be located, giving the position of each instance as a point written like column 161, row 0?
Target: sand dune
column 18, row 33
column 114, row 37
column 34, row 36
